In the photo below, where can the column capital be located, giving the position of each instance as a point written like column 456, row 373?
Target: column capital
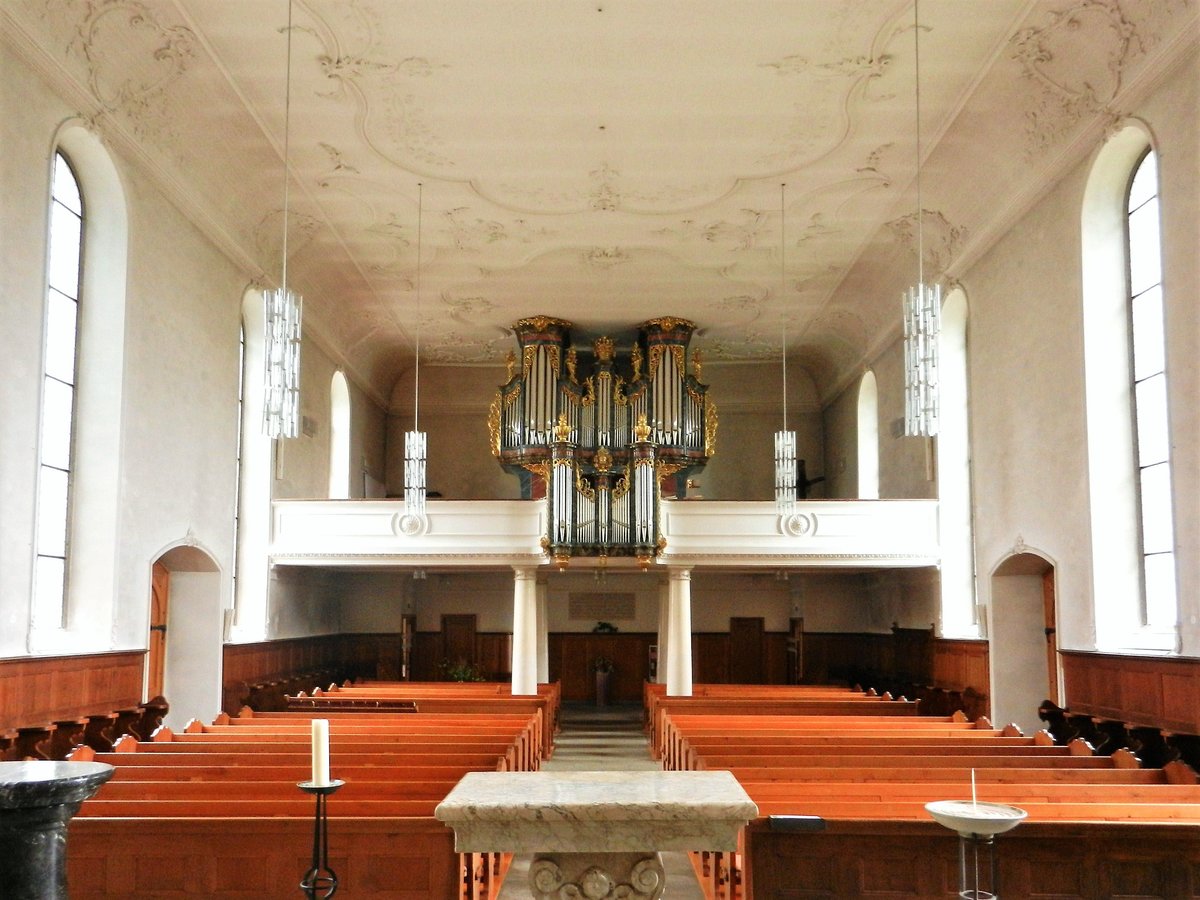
column 525, row 573
column 679, row 573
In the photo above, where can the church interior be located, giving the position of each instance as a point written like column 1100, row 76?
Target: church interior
column 690, row 344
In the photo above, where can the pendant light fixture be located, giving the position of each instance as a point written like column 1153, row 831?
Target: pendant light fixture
column 283, row 309
column 922, row 306
column 785, row 440
column 415, row 441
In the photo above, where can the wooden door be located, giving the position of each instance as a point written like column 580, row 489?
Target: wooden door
column 458, row 639
column 1051, row 636
column 746, row 650
column 156, row 656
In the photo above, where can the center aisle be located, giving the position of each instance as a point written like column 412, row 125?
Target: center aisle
column 605, row 739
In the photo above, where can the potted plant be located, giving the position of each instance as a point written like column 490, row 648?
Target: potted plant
column 603, row 667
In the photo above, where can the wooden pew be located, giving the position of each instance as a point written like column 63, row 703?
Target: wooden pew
column 240, row 775
column 847, row 778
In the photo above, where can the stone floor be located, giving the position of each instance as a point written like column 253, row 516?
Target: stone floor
column 606, row 739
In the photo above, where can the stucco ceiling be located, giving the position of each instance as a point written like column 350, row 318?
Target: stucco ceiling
column 606, row 161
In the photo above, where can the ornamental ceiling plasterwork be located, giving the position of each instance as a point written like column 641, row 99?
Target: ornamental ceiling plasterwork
column 605, row 162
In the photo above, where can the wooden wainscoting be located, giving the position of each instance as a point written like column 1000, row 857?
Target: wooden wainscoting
column 47, row 689
column 572, row 655
column 1161, row 692
column 958, row 665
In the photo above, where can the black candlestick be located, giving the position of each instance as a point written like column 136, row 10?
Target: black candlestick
column 320, row 877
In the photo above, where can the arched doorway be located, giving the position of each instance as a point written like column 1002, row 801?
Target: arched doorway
column 184, row 657
column 1024, row 646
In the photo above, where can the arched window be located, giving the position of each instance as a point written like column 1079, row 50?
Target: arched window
column 58, row 395
column 1149, row 384
column 959, row 617
column 1133, row 560
column 868, row 438
column 339, row 438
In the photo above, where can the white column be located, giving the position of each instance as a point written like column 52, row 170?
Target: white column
column 664, row 604
column 679, row 632
column 543, row 633
column 524, row 645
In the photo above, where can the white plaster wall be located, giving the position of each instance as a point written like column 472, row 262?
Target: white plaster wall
column 29, row 115
column 1018, row 651
column 1026, row 400
column 193, row 648
column 453, row 412
column 180, row 376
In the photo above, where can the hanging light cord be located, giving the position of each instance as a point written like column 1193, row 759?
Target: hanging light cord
column 417, row 366
column 917, row 80
column 782, row 291
column 287, row 132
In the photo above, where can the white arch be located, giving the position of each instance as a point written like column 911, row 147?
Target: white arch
column 868, row 437
column 958, row 607
column 192, row 672
column 1112, row 468
column 339, row 437
column 96, row 494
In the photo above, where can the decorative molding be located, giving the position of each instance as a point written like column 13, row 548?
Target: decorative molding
column 942, row 240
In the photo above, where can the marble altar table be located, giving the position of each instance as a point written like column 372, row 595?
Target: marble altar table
column 37, row 798
column 596, row 835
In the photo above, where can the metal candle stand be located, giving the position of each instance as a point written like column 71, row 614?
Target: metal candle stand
column 977, row 867
column 320, row 877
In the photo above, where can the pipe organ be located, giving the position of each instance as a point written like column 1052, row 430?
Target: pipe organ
column 602, row 442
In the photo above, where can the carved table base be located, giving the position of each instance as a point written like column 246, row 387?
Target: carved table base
column 597, row 876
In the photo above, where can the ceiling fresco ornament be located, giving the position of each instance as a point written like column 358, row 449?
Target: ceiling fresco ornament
column 605, row 257
column 605, row 196
column 1076, row 63
column 731, row 236
column 132, row 59
column 337, row 161
column 740, row 303
column 269, row 230
column 942, row 241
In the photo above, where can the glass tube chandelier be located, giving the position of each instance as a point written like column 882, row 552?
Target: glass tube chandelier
column 415, row 441
column 922, row 305
column 283, row 309
column 785, row 440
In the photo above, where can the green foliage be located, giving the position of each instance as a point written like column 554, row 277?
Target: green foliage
column 460, row 671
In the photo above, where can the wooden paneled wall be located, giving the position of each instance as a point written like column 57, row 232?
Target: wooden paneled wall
column 572, row 655
column 1161, row 692
column 958, row 665
column 46, row 689
column 904, row 654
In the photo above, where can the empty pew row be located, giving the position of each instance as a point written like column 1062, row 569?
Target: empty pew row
column 187, row 813
column 438, row 697
column 866, row 806
column 856, row 706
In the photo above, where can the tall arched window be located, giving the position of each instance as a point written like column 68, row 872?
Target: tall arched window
column 58, row 395
column 959, row 618
column 1149, row 382
column 1133, row 560
column 75, row 592
column 868, row 438
column 339, row 438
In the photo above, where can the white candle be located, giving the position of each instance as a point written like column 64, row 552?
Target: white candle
column 973, row 802
column 320, row 752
